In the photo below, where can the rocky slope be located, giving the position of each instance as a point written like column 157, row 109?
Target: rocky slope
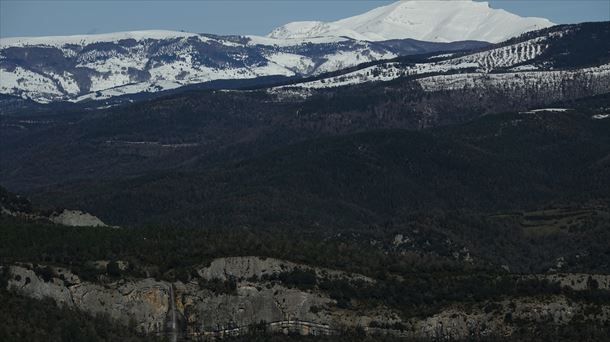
column 257, row 302
column 191, row 309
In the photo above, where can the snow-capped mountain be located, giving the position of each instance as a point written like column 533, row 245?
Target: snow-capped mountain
column 546, row 58
column 104, row 66
column 101, row 66
column 77, row 68
column 429, row 20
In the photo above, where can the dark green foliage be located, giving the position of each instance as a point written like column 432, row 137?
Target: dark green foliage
column 382, row 325
column 220, row 127
column 426, row 294
column 13, row 202
column 89, row 272
column 113, row 270
column 46, row 273
column 443, row 183
column 429, row 283
column 299, row 278
column 4, row 277
column 592, row 283
column 370, row 178
column 171, row 249
column 585, row 45
column 219, row 286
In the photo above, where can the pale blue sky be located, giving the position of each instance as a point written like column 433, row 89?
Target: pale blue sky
column 49, row 17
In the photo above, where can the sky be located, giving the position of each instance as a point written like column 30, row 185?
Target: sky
column 49, row 17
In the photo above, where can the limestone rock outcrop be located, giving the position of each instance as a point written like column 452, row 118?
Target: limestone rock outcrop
column 77, row 218
column 197, row 310
column 144, row 301
column 257, row 267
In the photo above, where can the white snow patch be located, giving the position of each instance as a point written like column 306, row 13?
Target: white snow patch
column 287, row 42
column 527, row 67
column 541, row 110
column 297, row 63
column 31, row 84
column 549, row 79
column 445, row 55
column 600, row 116
column 550, row 110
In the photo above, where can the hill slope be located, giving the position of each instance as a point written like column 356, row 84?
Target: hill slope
column 522, row 190
column 508, row 161
column 562, row 47
column 100, row 67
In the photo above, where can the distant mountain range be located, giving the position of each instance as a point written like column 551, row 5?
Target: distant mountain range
column 106, row 66
column 575, row 49
column 78, row 68
column 202, row 128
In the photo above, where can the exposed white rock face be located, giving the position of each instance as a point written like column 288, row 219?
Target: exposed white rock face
column 253, row 303
column 72, row 218
column 435, row 21
column 77, row 218
column 257, row 267
column 456, row 323
column 580, row 281
column 29, row 283
column 200, row 311
column 196, row 311
column 146, row 300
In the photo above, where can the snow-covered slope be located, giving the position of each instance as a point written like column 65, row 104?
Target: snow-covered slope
column 60, row 41
column 428, row 20
column 485, row 61
column 103, row 66
column 75, row 68
column 99, row 67
column 534, row 51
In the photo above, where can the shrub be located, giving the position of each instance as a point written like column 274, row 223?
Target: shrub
column 113, row 269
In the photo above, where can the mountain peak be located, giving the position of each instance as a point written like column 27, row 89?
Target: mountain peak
column 437, row 21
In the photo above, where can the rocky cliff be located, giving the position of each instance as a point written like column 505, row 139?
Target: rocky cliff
column 196, row 310
column 199, row 310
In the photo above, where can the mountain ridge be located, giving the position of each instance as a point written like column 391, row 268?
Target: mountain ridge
column 438, row 21
column 561, row 47
column 100, row 67
column 117, row 65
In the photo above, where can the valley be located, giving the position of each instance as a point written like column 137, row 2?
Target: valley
column 219, row 238
column 375, row 178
